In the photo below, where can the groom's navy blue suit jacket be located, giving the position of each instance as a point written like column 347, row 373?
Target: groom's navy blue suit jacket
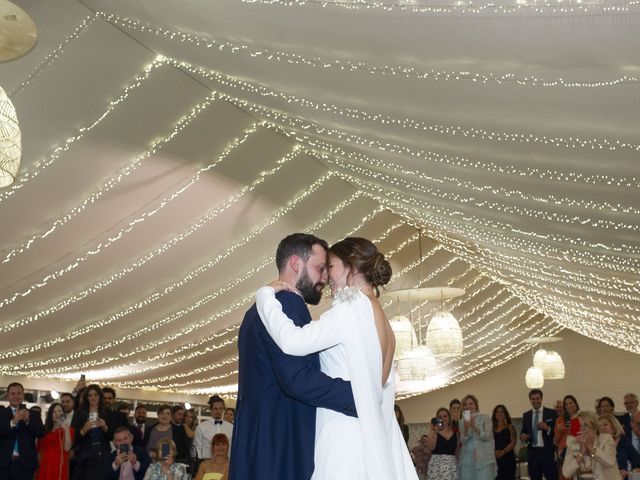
column 275, row 424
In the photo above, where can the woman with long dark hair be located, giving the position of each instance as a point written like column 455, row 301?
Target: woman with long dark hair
column 92, row 435
column 504, row 437
column 562, row 428
column 54, row 447
column 443, row 443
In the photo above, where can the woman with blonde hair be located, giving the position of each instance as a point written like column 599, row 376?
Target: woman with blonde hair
column 165, row 467
column 477, row 454
column 590, row 451
column 628, row 457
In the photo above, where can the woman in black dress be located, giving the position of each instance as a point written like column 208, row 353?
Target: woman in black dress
column 504, row 435
column 443, row 443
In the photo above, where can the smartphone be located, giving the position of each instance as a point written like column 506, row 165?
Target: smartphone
column 440, row 424
column 166, row 449
column 22, row 406
column 83, row 377
column 63, row 417
column 123, row 448
column 466, row 414
column 434, row 421
column 93, row 416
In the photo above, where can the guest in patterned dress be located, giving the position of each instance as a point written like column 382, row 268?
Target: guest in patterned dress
column 443, row 443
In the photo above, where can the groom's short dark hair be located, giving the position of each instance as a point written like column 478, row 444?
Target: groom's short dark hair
column 299, row 244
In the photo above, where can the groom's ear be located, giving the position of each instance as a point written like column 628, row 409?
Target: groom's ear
column 295, row 263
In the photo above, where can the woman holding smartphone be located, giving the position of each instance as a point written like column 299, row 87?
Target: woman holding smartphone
column 477, row 453
column 165, row 468
column 91, row 440
column 54, row 447
column 443, row 443
column 562, row 428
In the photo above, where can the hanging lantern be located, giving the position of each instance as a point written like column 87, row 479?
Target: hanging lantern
column 444, row 336
column 10, row 143
column 417, row 364
column 405, row 334
column 553, row 366
column 538, row 359
column 534, row 378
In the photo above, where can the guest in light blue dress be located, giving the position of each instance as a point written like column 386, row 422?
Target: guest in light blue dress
column 477, row 455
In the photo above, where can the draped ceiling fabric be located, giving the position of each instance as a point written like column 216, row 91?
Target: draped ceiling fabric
column 168, row 147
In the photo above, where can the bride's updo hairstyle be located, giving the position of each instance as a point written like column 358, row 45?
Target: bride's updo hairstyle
column 362, row 256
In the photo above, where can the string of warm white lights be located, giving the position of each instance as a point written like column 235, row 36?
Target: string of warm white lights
column 476, row 229
column 300, row 125
column 587, row 323
column 186, row 329
column 420, row 187
column 157, row 145
column 235, row 143
column 405, row 123
column 54, row 54
column 200, row 346
column 169, row 288
column 347, row 65
column 520, row 8
column 190, row 374
column 32, row 172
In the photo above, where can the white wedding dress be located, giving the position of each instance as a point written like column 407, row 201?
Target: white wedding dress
column 368, row 447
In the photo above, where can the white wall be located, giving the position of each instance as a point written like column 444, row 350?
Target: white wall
column 593, row 369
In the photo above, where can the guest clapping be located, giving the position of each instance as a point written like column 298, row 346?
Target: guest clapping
column 590, row 450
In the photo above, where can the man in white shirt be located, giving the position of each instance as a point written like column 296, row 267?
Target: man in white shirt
column 206, row 430
column 537, row 433
column 19, row 429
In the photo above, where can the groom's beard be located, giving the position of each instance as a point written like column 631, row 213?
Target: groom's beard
column 311, row 292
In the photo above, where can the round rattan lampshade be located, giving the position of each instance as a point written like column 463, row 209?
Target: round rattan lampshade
column 553, row 366
column 444, row 336
column 10, row 141
column 534, row 378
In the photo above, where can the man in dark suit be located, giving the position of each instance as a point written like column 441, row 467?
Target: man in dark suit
column 139, row 425
column 126, row 462
column 537, row 433
column 631, row 406
column 19, row 429
column 274, row 430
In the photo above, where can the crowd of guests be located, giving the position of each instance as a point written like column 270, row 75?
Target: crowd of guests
column 558, row 443
column 87, row 436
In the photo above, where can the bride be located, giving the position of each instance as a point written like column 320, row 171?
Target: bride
column 356, row 344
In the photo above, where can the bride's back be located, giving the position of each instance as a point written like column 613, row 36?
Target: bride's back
column 386, row 336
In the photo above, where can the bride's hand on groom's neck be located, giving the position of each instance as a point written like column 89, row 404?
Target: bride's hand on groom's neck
column 279, row 286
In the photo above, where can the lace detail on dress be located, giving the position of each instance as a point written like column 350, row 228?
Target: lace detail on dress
column 346, row 295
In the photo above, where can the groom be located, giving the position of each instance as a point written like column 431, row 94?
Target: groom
column 274, row 431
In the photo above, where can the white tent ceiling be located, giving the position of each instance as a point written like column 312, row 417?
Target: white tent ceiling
column 168, row 146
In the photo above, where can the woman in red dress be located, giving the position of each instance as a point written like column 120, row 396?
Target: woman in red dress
column 54, row 447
